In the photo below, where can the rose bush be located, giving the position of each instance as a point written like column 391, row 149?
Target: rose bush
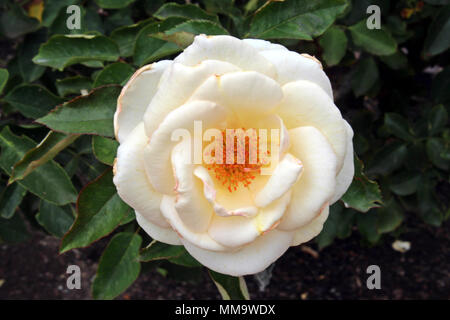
column 241, row 223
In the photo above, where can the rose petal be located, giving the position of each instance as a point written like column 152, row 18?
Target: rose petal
column 135, row 97
column 306, row 104
column 200, row 239
column 249, row 94
column 282, row 179
column 131, row 180
column 237, row 203
column 317, row 183
column 345, row 176
column 229, row 49
column 269, row 217
column 166, row 235
column 177, row 84
column 250, row 259
column 292, row 66
column 233, row 231
column 312, row 229
column 157, row 152
column 263, row 45
column 192, row 207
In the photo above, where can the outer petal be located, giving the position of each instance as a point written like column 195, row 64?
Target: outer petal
column 200, row 239
column 131, row 181
column 135, row 97
column 192, row 207
column 166, row 235
column 177, row 85
column 263, row 45
column 306, row 104
column 312, row 229
column 250, row 259
column 285, row 175
column 226, row 48
column 157, row 152
column 249, row 94
column 345, row 176
column 292, row 66
column 317, row 183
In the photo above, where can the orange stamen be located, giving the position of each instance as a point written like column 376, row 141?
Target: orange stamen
column 233, row 175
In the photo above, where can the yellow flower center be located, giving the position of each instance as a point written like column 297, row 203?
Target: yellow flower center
column 232, row 174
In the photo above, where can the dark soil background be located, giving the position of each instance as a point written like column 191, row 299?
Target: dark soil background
column 34, row 270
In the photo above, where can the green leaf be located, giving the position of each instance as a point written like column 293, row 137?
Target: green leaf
column 438, row 37
column 363, row 193
column 437, row 119
column 389, row 217
column 329, row 231
column 365, row 76
column 188, row 11
column 119, row 266
column 55, row 220
column 435, row 146
column 91, row 114
column 113, row 4
column 73, row 85
column 4, row 75
column 149, row 48
column 357, row 10
column 129, row 216
column 33, row 101
column 367, row 226
column 219, row 6
column 52, row 9
column 441, row 83
column 115, row 73
column 185, row 260
column 49, row 182
column 427, row 202
column 375, row 41
column 398, row 126
column 104, row 149
column 45, row 151
column 405, row 183
column 230, row 288
column 395, row 61
column 118, row 18
column 99, row 211
column 295, row 19
column 334, row 45
column 125, row 37
column 388, row 159
column 184, row 33
column 15, row 22
column 90, row 22
column 62, row 51
column 10, row 199
column 196, row 27
column 29, row 48
column 13, row 230
column 158, row 251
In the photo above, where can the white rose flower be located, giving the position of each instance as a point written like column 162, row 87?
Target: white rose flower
column 231, row 218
